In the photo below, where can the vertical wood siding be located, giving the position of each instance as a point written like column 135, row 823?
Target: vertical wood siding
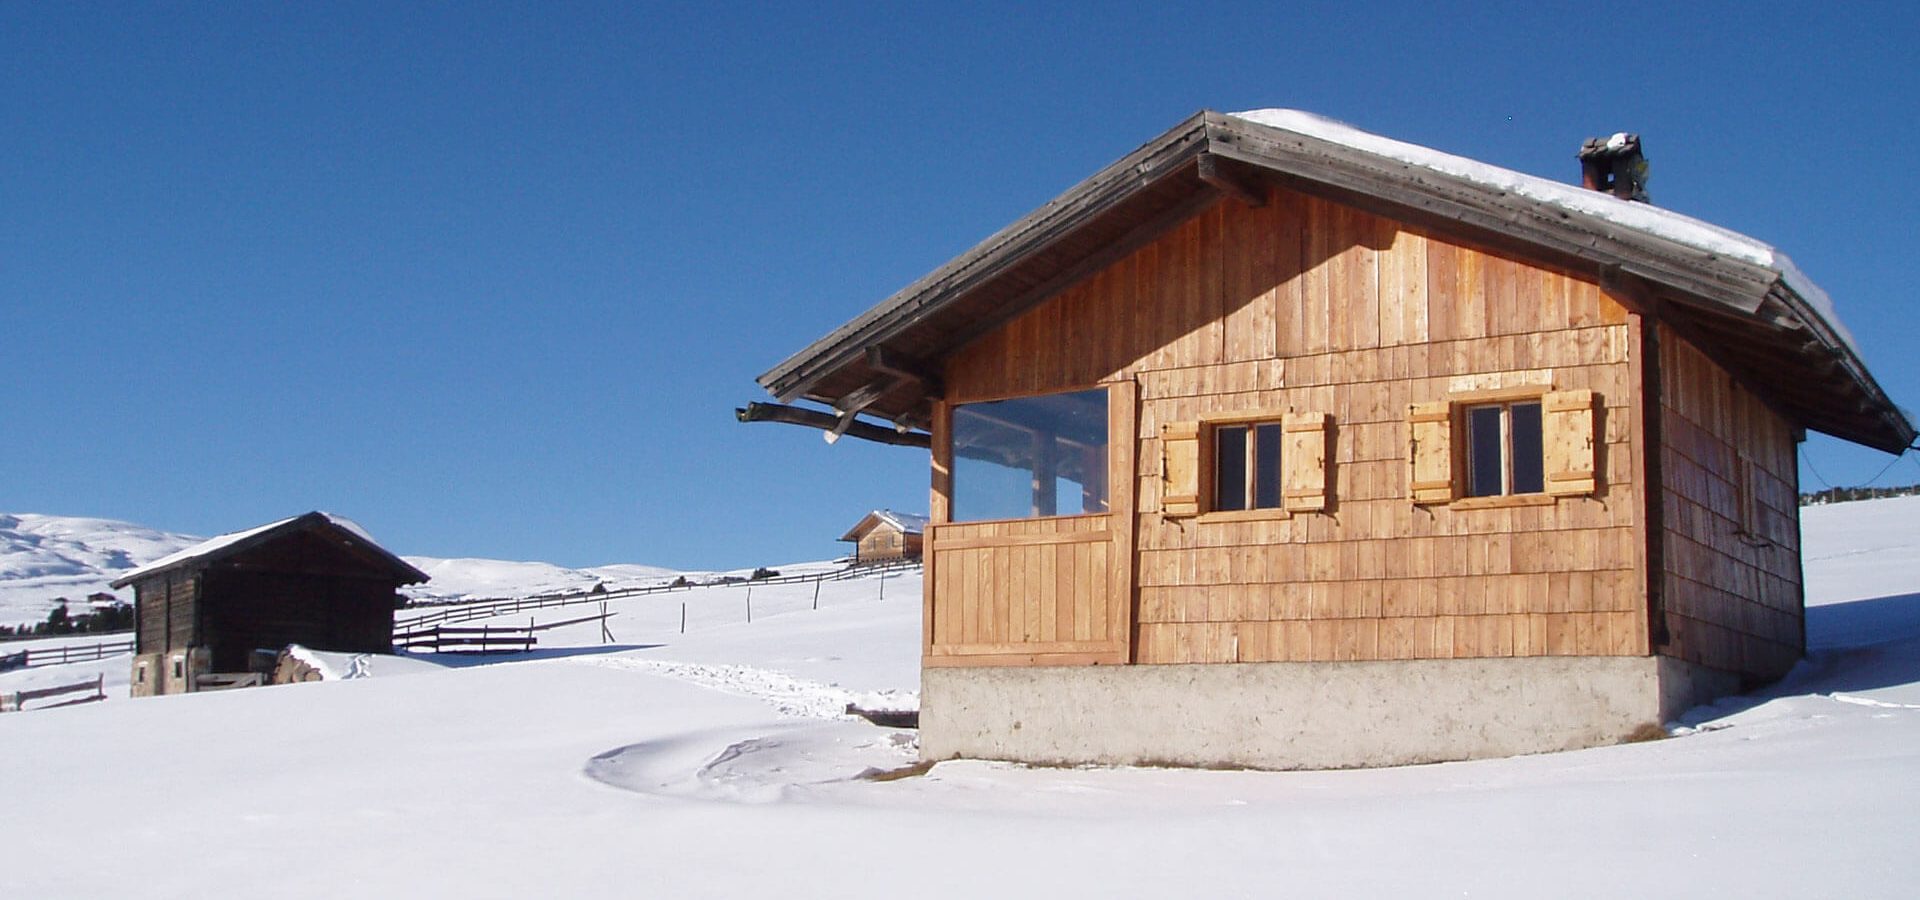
column 1308, row 306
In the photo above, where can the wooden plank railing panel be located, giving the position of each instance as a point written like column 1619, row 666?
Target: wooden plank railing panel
column 1025, row 594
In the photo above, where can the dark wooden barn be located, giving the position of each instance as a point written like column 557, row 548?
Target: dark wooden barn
column 315, row 580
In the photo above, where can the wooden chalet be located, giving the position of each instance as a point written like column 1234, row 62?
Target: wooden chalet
column 315, row 580
column 1282, row 444
column 884, row 535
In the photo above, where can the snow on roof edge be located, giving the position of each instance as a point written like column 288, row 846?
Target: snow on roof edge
column 907, row 522
column 220, row 542
column 1646, row 218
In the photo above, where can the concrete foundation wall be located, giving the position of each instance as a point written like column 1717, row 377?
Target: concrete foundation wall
column 1297, row 715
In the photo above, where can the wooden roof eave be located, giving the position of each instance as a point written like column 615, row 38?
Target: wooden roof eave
column 1891, row 431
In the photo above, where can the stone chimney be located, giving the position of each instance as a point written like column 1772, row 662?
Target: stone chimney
column 1615, row 165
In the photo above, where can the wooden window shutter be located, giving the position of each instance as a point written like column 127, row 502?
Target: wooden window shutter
column 1430, row 452
column 1303, row 458
column 1180, row 469
column 1568, row 442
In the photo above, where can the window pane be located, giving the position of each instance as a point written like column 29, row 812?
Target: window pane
column 1030, row 456
column 1529, row 458
column 1230, row 467
column 1483, row 451
column 1266, row 467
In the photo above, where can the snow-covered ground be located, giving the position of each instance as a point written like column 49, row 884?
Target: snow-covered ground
column 713, row 764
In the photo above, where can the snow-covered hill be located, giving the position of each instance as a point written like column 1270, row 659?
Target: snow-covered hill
column 711, row 762
column 45, row 558
column 457, row 579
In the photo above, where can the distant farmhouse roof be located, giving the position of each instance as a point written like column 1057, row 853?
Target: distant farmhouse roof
column 905, row 523
column 345, row 532
column 1738, row 297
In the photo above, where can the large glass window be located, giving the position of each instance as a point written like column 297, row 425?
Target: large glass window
column 1030, row 456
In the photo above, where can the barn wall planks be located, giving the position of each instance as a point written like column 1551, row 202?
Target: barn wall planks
column 164, row 613
column 1304, row 305
column 1733, row 592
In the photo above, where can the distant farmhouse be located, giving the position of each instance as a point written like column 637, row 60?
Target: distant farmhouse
column 315, row 580
column 884, row 536
column 1279, row 443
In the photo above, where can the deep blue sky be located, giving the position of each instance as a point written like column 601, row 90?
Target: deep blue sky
column 491, row 278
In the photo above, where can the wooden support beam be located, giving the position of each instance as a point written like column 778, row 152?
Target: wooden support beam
column 813, row 418
column 863, row 397
column 899, row 365
column 1224, row 179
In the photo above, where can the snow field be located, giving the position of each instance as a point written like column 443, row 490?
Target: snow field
column 710, row 764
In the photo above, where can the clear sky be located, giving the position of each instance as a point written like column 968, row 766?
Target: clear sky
column 491, row 278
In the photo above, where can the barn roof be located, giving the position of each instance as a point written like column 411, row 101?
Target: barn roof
column 338, row 528
column 1743, row 302
column 905, row 523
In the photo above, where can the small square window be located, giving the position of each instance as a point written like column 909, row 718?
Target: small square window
column 1505, row 452
column 1246, row 466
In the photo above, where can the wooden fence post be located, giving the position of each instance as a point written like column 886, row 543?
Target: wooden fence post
column 683, row 617
column 749, row 604
column 816, row 595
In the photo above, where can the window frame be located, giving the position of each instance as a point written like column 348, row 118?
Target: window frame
column 1210, row 426
column 1470, row 447
column 1460, row 404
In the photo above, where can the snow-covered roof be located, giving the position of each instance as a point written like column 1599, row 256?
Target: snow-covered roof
column 905, row 523
column 233, row 542
column 1643, row 217
column 1758, row 313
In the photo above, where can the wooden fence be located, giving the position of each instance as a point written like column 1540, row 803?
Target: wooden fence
column 487, row 609
column 95, row 687
column 53, row 656
column 486, row 638
column 18, row 637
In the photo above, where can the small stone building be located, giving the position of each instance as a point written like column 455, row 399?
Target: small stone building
column 884, row 535
column 317, row 580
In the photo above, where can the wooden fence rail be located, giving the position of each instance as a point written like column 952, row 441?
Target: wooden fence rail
column 95, row 687
column 486, row 638
column 487, row 609
column 17, row 637
column 53, row 656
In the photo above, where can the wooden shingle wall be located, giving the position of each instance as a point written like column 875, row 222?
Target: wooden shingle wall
column 1306, row 306
column 883, row 542
column 1732, row 584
